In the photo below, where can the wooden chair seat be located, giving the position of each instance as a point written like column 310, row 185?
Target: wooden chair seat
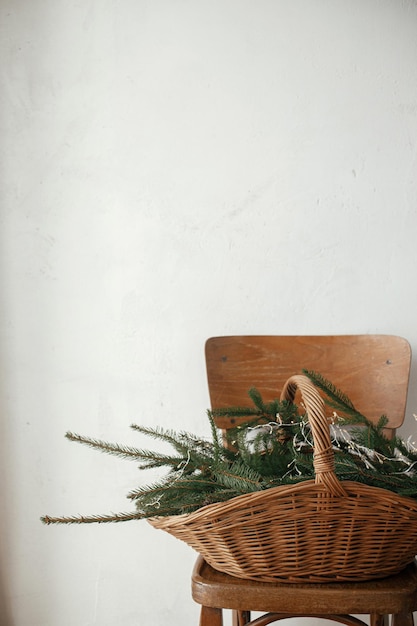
column 373, row 370
column 394, row 595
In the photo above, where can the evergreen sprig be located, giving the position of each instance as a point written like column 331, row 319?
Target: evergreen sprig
column 272, row 447
column 116, row 449
column 334, row 397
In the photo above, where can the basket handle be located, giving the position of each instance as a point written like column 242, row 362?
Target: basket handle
column 323, row 451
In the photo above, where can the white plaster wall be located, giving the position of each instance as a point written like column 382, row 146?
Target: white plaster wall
column 171, row 170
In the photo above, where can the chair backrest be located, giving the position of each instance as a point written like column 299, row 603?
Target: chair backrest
column 372, row 370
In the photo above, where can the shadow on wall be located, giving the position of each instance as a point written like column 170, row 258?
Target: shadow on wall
column 5, row 521
column 5, row 615
column 408, row 429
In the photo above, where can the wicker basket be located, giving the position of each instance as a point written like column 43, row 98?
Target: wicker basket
column 316, row 531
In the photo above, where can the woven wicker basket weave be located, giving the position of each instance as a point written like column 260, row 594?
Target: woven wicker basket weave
column 316, row 531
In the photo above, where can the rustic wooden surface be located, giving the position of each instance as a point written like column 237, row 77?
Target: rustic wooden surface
column 372, row 370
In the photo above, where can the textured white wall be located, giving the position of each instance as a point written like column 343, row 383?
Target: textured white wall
column 171, row 170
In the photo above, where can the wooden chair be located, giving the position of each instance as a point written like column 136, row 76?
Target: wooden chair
column 373, row 370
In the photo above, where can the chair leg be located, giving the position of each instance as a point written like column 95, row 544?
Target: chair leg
column 210, row 616
column 240, row 618
column 403, row 619
column 379, row 620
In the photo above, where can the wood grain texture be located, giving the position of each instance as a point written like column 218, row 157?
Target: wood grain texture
column 392, row 595
column 373, row 370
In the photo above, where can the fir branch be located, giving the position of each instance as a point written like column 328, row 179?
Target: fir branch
column 382, row 423
column 147, row 458
column 404, row 449
column 125, row 452
column 335, row 397
column 201, row 472
column 261, row 413
column 194, row 483
column 257, row 400
column 238, row 411
column 91, row 519
column 151, row 460
column 239, row 477
column 215, row 438
column 180, row 441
